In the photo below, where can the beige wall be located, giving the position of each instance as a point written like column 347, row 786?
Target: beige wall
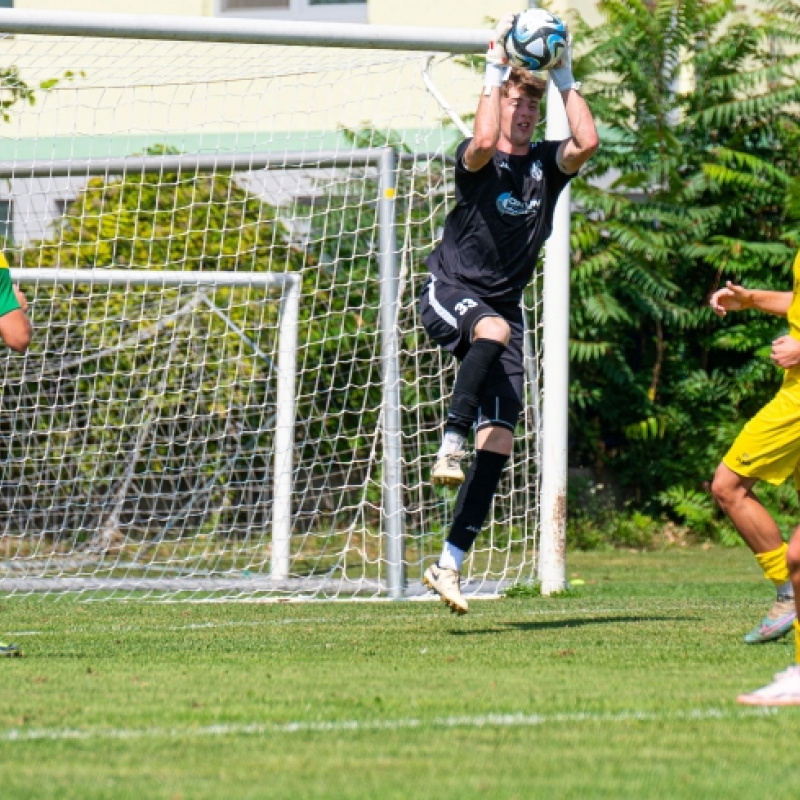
column 441, row 13
column 463, row 13
column 173, row 7
column 437, row 13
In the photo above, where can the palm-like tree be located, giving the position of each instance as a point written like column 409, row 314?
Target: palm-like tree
column 699, row 154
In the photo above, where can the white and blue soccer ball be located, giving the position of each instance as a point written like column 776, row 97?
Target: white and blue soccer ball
column 537, row 40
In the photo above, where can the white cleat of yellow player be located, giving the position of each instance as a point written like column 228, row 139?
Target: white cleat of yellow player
column 447, row 584
column 447, row 470
column 783, row 691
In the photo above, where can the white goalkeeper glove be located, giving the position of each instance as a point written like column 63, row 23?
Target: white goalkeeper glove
column 562, row 73
column 497, row 66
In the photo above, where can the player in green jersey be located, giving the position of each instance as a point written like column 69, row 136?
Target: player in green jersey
column 15, row 331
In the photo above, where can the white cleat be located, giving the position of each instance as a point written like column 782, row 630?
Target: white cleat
column 783, row 691
column 447, row 470
column 447, row 584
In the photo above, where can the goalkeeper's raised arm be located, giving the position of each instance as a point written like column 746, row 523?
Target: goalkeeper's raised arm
column 577, row 150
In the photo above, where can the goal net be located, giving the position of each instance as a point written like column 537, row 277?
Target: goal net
column 229, row 393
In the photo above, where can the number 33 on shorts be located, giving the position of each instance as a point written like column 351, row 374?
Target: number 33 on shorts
column 465, row 305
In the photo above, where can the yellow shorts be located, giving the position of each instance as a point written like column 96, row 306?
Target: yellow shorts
column 768, row 448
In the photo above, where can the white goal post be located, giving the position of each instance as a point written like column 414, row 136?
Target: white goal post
column 244, row 222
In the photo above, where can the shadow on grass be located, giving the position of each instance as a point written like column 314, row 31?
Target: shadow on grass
column 568, row 623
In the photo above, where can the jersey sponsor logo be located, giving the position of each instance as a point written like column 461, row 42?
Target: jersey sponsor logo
column 537, row 171
column 465, row 305
column 509, row 205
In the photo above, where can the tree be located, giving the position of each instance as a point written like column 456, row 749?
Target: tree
column 694, row 178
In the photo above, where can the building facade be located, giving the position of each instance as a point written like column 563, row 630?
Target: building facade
column 443, row 13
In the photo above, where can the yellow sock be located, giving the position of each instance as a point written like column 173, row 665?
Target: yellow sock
column 797, row 641
column 774, row 565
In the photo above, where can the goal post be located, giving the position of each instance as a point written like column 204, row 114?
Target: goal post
column 168, row 459
column 288, row 288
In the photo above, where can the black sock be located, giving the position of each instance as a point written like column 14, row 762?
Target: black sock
column 475, row 498
column 472, row 374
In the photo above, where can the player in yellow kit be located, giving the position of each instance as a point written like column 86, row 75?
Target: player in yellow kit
column 768, row 449
column 15, row 330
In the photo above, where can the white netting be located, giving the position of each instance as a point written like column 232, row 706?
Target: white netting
column 140, row 427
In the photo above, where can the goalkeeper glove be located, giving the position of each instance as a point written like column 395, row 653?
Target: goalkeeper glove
column 497, row 67
column 562, row 72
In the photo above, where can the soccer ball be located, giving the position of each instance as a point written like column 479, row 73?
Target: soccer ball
column 536, row 39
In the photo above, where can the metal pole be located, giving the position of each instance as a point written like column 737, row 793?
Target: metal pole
column 392, row 451
column 247, row 31
column 141, row 277
column 192, row 162
column 284, row 431
column 555, row 369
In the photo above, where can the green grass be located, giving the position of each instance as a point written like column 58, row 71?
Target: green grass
column 626, row 688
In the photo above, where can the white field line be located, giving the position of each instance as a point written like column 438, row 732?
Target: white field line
column 357, row 726
column 191, row 626
column 626, row 612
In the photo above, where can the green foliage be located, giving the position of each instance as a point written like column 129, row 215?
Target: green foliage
column 533, row 589
column 523, row 590
column 596, row 522
column 700, row 131
column 698, row 511
column 14, row 90
column 607, row 528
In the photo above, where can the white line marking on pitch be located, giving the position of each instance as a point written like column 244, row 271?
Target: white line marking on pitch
column 483, row 721
column 645, row 613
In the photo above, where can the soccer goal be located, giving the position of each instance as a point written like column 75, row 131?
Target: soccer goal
column 221, row 231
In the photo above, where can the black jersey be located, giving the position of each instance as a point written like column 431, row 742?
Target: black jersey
column 503, row 214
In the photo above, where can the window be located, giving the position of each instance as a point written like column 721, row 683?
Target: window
column 61, row 205
column 311, row 10
column 240, row 5
column 6, row 220
column 6, row 3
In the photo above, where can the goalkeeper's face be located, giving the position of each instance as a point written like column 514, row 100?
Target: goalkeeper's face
column 519, row 115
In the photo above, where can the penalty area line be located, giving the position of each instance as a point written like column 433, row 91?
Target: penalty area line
column 357, row 726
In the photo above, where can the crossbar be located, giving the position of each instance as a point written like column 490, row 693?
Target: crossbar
column 243, row 31
column 141, row 277
column 128, row 165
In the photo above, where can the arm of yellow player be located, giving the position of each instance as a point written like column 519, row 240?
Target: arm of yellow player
column 732, row 297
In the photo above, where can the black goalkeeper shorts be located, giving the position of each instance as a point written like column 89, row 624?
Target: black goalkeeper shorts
column 449, row 314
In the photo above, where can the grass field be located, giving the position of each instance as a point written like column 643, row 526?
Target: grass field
column 626, row 689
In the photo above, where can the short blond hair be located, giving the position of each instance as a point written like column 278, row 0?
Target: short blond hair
column 528, row 84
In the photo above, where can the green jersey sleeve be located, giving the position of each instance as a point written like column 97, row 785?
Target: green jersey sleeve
column 8, row 300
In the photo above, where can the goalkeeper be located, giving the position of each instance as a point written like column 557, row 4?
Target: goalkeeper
column 15, row 330
column 768, row 449
column 506, row 192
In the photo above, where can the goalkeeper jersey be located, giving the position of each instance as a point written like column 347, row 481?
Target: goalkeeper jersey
column 8, row 300
column 503, row 214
